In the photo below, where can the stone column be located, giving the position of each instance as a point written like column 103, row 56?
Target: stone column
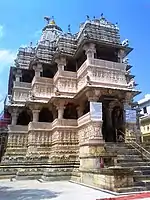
column 60, row 109
column 18, row 75
column 38, row 69
column 14, row 116
column 61, row 63
column 90, row 50
column 35, row 115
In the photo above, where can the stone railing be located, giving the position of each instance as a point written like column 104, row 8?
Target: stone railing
column 20, row 94
column 106, row 64
column 22, row 85
column 66, row 74
column 42, row 87
column 82, row 69
column 64, row 122
column 42, row 80
column 101, row 72
column 17, row 129
column 39, row 126
column 66, row 82
column 84, row 119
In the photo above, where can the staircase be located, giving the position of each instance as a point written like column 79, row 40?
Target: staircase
column 133, row 155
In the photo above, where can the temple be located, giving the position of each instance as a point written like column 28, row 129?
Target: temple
column 71, row 103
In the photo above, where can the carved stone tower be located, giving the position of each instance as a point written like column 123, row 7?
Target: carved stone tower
column 70, row 95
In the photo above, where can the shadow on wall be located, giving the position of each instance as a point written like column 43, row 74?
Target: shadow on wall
column 8, row 193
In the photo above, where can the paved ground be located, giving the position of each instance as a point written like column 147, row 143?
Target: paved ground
column 35, row 190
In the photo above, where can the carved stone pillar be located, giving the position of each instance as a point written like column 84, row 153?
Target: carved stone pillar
column 14, row 116
column 35, row 115
column 60, row 111
column 60, row 108
column 93, row 96
column 90, row 50
column 18, row 75
column 38, row 69
column 61, row 63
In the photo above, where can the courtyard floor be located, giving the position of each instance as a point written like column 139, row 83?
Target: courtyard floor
column 35, row 190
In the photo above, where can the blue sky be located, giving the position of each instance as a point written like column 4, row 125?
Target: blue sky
column 21, row 22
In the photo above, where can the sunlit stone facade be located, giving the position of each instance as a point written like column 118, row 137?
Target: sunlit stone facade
column 51, row 91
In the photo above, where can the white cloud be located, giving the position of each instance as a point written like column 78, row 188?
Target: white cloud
column 1, row 31
column 6, row 59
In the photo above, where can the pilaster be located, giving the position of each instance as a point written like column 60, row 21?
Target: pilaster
column 38, row 69
column 18, row 75
column 14, row 115
column 61, row 63
column 90, row 50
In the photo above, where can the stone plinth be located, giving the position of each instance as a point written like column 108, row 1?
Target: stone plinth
column 108, row 178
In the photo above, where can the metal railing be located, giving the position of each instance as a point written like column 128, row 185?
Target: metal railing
column 142, row 149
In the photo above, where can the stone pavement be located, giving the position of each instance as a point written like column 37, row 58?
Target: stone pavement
column 35, row 190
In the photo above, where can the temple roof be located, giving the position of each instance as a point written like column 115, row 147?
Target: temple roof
column 54, row 41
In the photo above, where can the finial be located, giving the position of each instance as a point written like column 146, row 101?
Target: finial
column 52, row 21
column 69, row 29
column 102, row 15
column 87, row 17
column 47, row 19
column 31, row 44
column 93, row 17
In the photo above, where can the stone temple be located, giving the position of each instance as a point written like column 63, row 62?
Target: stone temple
column 71, row 105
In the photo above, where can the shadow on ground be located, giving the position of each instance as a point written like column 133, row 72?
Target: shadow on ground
column 8, row 193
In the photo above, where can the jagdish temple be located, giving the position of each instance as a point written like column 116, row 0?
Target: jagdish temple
column 72, row 111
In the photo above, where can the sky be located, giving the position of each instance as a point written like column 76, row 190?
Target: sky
column 21, row 22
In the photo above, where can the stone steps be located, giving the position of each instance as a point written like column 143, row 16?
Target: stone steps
column 131, row 189
column 135, row 164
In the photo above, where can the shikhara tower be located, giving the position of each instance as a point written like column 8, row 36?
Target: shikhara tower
column 53, row 89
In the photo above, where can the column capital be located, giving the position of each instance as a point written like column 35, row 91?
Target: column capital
column 89, row 47
column 35, row 107
column 93, row 95
column 60, row 103
column 61, row 62
column 38, row 67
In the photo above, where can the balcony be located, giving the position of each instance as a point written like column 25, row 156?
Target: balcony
column 22, row 85
column 102, row 73
column 21, row 91
column 20, row 94
column 17, row 129
column 84, row 119
column 43, row 87
column 66, row 82
column 64, row 123
column 38, row 126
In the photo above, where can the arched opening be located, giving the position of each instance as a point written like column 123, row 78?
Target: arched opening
column 80, row 60
column 45, row 115
column 24, row 117
column 70, row 112
column 49, row 70
column 27, row 75
column 70, row 65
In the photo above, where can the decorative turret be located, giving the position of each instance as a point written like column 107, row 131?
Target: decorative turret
column 50, row 32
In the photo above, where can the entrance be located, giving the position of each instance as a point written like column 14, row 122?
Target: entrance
column 113, row 123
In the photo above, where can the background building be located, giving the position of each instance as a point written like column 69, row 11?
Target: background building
column 144, row 105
